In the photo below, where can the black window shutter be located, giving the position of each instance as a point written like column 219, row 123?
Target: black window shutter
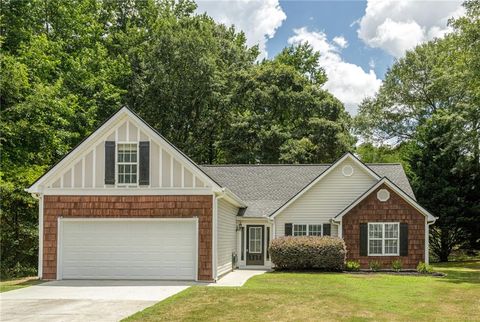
column 144, row 175
column 242, row 231
column 363, row 239
column 268, row 242
column 327, row 229
column 109, row 162
column 403, row 239
column 288, row 229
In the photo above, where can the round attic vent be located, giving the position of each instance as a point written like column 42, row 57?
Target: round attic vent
column 347, row 170
column 383, row 195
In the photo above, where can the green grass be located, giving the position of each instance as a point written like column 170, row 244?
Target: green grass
column 15, row 284
column 331, row 296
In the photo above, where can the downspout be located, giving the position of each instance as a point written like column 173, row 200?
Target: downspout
column 427, row 239
column 338, row 223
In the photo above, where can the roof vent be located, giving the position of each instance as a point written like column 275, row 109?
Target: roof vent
column 347, row 170
column 383, row 195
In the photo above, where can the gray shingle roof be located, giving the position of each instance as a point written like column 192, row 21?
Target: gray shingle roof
column 265, row 188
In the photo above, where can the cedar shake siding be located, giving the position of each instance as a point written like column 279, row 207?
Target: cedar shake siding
column 128, row 207
column 394, row 209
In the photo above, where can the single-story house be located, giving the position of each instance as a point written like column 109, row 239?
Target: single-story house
column 127, row 204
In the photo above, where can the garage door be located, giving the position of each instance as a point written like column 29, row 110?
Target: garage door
column 127, row 249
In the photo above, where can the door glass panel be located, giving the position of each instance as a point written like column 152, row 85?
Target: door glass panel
column 255, row 240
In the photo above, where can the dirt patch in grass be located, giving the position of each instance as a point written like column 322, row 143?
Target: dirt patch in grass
column 14, row 284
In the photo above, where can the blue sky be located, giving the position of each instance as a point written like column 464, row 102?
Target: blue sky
column 357, row 40
column 335, row 18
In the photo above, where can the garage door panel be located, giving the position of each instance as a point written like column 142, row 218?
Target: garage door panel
column 128, row 249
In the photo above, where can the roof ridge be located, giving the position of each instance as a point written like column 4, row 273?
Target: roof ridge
column 265, row 164
column 287, row 164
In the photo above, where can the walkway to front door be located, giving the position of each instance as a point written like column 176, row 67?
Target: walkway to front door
column 255, row 244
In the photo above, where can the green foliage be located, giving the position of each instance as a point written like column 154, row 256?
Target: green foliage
column 374, row 265
column 352, row 266
column 428, row 107
column 308, row 252
column 67, row 66
column 397, row 265
column 423, row 268
column 280, row 114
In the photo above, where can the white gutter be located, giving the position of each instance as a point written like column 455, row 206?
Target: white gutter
column 232, row 197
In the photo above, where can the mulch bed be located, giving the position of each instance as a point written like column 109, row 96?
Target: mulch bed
column 392, row 272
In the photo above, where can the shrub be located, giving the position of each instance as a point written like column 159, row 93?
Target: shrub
column 423, row 268
column 308, row 252
column 397, row 265
column 352, row 266
column 374, row 265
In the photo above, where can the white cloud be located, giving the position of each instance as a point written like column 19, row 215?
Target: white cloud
column 348, row 82
column 396, row 26
column 340, row 41
column 258, row 19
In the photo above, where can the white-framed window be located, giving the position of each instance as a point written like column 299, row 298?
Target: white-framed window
column 300, row 229
column 315, row 230
column 307, row 230
column 383, row 239
column 127, row 163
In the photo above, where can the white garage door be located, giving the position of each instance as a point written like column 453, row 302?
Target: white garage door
column 127, row 249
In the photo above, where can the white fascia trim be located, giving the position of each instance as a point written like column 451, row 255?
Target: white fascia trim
column 402, row 194
column 170, row 148
column 124, row 112
column 323, row 175
column 73, row 154
column 126, row 191
column 254, row 219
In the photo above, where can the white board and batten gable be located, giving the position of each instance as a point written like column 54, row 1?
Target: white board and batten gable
column 327, row 195
column 82, row 171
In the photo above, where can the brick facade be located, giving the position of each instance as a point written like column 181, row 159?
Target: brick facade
column 395, row 209
column 123, row 207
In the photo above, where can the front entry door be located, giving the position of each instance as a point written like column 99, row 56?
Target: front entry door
column 255, row 247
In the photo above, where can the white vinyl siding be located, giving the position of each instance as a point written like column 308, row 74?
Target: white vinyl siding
column 87, row 171
column 226, row 236
column 326, row 199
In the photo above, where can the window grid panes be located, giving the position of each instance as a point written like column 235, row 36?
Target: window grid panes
column 315, row 230
column 127, row 163
column 391, row 239
column 299, row 230
column 383, row 238
column 255, row 240
column 307, row 230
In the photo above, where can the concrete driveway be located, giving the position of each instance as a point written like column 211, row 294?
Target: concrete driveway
column 84, row 300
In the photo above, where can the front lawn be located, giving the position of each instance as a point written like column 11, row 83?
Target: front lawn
column 331, row 296
column 14, row 284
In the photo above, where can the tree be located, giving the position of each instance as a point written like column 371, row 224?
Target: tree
column 67, row 66
column 281, row 113
column 57, row 77
column 429, row 102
